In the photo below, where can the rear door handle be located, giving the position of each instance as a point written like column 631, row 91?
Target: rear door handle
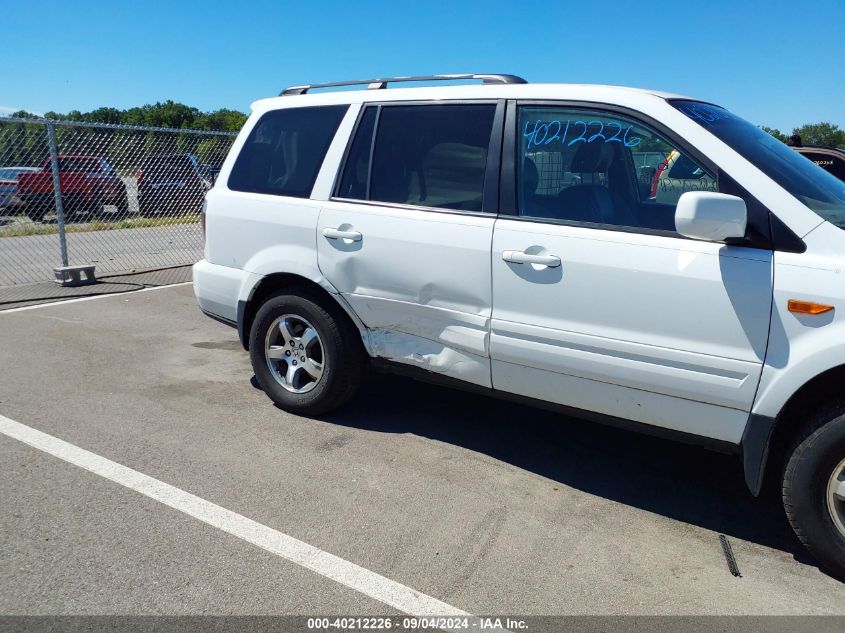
column 337, row 234
column 519, row 257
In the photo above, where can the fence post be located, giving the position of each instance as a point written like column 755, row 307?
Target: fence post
column 57, row 190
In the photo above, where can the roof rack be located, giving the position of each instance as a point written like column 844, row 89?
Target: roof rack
column 376, row 84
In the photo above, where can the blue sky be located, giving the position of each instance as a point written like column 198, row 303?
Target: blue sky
column 774, row 62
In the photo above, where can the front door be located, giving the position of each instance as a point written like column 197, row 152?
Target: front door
column 599, row 305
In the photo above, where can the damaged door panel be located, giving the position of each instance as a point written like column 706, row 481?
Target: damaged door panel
column 419, row 280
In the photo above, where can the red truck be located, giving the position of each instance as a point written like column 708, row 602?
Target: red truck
column 88, row 184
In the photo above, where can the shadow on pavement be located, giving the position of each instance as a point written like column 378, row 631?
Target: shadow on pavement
column 682, row 482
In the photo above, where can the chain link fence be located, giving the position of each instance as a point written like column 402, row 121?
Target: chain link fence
column 122, row 198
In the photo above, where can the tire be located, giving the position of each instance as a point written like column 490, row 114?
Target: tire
column 341, row 352
column 34, row 213
column 145, row 208
column 815, row 457
column 123, row 205
column 96, row 208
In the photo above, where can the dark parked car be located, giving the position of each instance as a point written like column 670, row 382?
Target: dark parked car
column 830, row 159
column 171, row 184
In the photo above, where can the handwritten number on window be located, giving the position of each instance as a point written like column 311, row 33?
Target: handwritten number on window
column 615, row 138
column 582, row 137
column 598, row 134
column 545, row 132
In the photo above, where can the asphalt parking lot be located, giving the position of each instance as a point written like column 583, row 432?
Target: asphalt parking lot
column 486, row 506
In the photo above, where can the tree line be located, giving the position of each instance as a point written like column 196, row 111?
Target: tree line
column 823, row 133
column 25, row 144
column 167, row 114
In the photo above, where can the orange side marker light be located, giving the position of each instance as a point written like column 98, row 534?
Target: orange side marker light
column 808, row 307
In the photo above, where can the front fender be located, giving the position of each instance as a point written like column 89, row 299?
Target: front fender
column 801, row 346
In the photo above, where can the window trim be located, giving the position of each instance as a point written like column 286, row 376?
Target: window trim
column 492, row 171
column 759, row 216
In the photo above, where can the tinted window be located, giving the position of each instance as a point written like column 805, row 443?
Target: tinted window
column 597, row 167
column 432, row 155
column 354, row 182
column 284, row 151
column 817, row 189
column 829, row 162
column 79, row 163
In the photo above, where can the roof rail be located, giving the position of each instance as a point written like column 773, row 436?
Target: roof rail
column 375, row 84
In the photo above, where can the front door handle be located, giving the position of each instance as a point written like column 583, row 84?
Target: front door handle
column 337, row 234
column 519, row 257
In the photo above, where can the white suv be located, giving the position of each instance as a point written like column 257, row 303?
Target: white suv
column 499, row 237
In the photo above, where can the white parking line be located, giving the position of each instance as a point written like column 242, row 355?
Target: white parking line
column 102, row 296
column 367, row 582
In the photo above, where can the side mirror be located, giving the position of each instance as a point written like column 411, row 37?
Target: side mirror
column 710, row 216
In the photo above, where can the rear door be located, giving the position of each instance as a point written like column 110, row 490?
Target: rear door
column 406, row 237
column 600, row 305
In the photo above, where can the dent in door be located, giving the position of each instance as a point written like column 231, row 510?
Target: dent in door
column 429, row 355
column 418, row 280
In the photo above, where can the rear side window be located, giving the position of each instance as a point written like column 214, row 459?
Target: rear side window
column 423, row 155
column 284, row 151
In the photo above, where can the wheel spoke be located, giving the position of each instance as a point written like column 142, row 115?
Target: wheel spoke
column 839, row 491
column 309, row 335
column 294, row 353
column 286, row 331
column 313, row 368
column 290, row 376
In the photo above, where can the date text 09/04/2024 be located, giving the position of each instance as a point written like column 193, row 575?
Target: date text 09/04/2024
column 414, row 623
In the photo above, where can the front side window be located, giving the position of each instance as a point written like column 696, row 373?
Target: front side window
column 423, row 155
column 580, row 165
column 813, row 186
column 284, row 151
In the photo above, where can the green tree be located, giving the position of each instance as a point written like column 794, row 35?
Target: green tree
column 775, row 132
column 224, row 120
column 167, row 114
column 23, row 114
column 823, row 133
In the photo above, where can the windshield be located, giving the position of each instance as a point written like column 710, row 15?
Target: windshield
column 79, row 163
column 812, row 185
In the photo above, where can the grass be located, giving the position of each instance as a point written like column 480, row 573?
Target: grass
column 34, row 228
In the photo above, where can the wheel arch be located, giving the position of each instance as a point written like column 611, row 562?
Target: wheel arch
column 767, row 438
column 272, row 284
